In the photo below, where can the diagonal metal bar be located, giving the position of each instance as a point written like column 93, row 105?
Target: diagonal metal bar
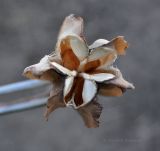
column 19, row 86
column 26, row 103
column 22, row 106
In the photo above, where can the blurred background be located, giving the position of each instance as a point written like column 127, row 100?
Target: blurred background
column 28, row 31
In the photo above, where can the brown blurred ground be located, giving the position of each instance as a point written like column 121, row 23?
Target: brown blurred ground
column 28, row 31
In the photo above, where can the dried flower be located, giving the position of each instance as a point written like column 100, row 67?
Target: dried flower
column 78, row 71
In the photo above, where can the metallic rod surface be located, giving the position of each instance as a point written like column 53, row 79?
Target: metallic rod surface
column 19, row 86
column 22, row 106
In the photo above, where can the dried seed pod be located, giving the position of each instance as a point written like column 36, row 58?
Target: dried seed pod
column 79, row 72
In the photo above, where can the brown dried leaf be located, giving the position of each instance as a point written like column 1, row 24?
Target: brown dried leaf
column 90, row 114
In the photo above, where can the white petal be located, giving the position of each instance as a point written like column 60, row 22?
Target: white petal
column 79, row 47
column 39, row 68
column 68, row 85
column 100, row 77
column 72, row 25
column 98, row 53
column 122, row 83
column 63, row 69
column 89, row 91
column 98, row 43
column 43, row 65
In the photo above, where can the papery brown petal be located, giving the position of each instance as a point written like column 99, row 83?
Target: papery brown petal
column 90, row 114
column 89, row 66
column 110, row 90
column 56, row 98
column 69, row 59
column 49, row 75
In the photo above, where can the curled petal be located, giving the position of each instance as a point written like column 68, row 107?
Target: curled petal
column 98, row 43
column 117, row 44
column 71, row 40
column 79, row 47
column 119, row 80
column 104, row 53
column 41, row 70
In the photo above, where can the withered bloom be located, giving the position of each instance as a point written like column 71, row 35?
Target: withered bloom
column 79, row 72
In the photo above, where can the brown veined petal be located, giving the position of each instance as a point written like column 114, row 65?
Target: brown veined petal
column 99, row 58
column 110, row 90
column 69, row 59
column 90, row 114
column 73, row 50
column 42, row 70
